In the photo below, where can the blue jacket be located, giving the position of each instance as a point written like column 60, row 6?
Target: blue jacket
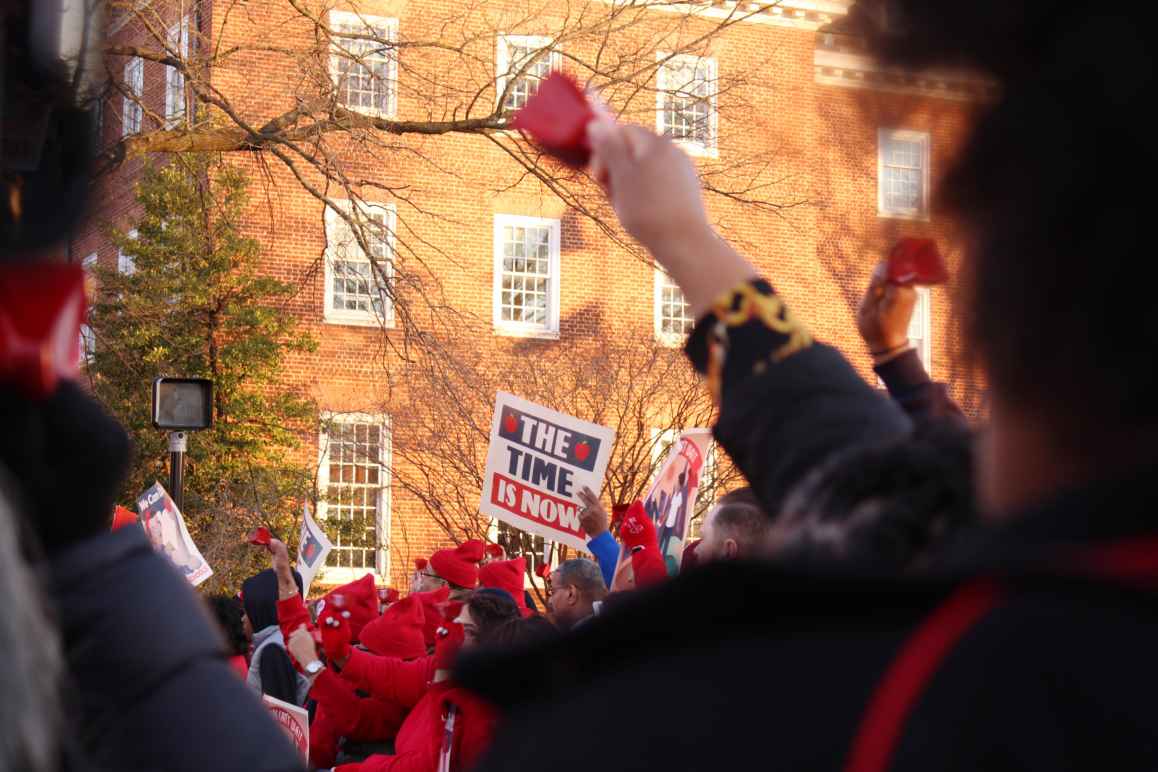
column 606, row 552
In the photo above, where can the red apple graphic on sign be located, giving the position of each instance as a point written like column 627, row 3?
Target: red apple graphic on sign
column 510, row 424
column 582, row 450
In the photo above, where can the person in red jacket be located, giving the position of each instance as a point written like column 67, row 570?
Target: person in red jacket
column 447, row 727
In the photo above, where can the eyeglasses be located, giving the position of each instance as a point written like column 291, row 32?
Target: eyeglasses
column 435, row 577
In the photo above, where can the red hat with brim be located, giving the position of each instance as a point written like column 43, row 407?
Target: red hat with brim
column 459, row 566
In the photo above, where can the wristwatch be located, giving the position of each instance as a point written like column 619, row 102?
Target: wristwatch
column 315, row 667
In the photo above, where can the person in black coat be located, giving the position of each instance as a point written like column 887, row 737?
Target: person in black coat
column 146, row 683
column 1029, row 643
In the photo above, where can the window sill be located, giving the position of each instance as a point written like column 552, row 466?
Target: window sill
column 517, row 332
column 670, row 341
column 696, row 150
column 370, row 112
column 337, row 576
column 914, row 216
column 358, row 321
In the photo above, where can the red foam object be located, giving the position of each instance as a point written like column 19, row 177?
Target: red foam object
column 556, row 118
column 917, row 261
column 41, row 309
column 123, row 517
column 260, row 536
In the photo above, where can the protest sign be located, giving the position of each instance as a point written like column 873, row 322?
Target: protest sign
column 166, row 529
column 313, row 548
column 294, row 720
column 537, row 462
column 671, row 500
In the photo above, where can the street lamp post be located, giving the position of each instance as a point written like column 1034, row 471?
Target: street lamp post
column 181, row 405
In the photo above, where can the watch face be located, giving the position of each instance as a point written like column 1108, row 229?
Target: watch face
column 314, row 667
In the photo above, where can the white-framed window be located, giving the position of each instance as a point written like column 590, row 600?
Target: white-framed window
column 673, row 318
column 87, row 337
column 131, row 109
column 526, row 279
column 686, row 88
column 903, row 174
column 177, row 41
column 358, row 291
column 126, row 265
column 529, row 55
column 354, row 451
column 364, row 63
column 920, row 327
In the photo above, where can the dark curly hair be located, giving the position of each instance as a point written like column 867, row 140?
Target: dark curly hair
column 1052, row 189
column 889, row 505
column 227, row 611
column 491, row 608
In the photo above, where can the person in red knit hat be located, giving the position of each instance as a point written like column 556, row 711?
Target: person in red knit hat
column 507, row 575
column 458, row 567
column 447, row 727
column 359, row 599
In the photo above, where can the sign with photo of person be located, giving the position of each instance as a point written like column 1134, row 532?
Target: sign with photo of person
column 313, row 547
column 537, row 462
column 166, row 529
column 671, row 501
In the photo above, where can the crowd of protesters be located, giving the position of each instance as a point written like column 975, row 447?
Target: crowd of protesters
column 893, row 589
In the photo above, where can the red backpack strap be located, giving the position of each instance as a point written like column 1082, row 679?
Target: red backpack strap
column 911, row 670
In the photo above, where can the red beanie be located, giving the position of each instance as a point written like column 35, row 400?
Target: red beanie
column 506, row 575
column 432, row 616
column 459, row 566
column 398, row 632
column 360, row 598
column 419, row 564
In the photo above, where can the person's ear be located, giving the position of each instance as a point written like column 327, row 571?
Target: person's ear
column 731, row 549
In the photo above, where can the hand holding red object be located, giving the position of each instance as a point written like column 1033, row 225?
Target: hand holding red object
column 335, row 636
column 448, row 641
column 637, row 530
column 916, row 261
column 259, row 537
column 556, row 117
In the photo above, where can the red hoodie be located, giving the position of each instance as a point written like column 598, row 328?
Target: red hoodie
column 419, row 741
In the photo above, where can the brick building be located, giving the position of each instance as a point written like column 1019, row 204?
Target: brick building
column 819, row 161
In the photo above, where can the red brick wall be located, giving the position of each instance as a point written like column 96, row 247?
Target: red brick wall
column 818, row 143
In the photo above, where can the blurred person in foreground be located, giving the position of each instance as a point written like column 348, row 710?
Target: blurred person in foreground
column 1030, row 645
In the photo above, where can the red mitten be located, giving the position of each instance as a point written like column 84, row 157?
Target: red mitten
column 259, row 537
column 637, row 529
column 448, row 640
column 556, row 117
column 335, row 635
column 916, row 261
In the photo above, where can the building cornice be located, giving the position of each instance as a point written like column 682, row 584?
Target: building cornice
column 798, row 14
column 857, row 70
